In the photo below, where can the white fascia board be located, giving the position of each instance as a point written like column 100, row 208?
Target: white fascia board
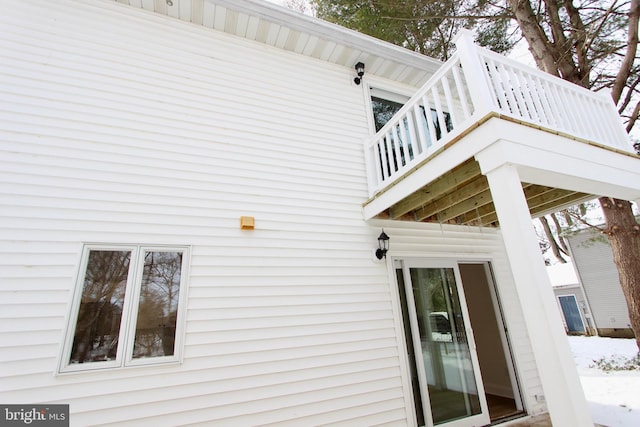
column 556, row 161
column 313, row 26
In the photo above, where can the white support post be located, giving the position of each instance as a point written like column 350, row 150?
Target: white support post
column 560, row 382
column 474, row 72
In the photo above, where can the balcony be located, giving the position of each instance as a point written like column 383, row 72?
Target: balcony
column 429, row 162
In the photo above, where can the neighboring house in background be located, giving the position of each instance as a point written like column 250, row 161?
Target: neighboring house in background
column 571, row 300
column 598, row 277
column 191, row 194
column 588, row 290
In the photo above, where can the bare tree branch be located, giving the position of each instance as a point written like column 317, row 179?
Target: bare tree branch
column 630, row 93
column 633, row 117
column 561, row 241
column 632, row 47
column 539, row 43
column 555, row 248
column 555, row 23
column 578, row 218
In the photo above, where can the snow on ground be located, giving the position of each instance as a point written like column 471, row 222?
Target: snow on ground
column 614, row 397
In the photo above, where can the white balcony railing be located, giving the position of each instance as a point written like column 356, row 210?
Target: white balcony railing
column 472, row 84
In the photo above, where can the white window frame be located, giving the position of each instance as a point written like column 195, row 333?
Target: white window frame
column 124, row 354
column 390, row 94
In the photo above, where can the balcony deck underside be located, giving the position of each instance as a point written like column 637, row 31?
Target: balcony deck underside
column 556, row 171
column 462, row 196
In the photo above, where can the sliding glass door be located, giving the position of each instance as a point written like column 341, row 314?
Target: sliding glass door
column 444, row 358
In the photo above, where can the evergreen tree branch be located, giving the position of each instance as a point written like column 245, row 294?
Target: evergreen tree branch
column 596, row 32
column 441, row 17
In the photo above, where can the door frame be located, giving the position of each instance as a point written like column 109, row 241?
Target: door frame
column 409, row 397
column 405, row 263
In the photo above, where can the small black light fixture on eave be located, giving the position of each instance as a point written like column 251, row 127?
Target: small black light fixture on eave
column 383, row 245
column 360, row 72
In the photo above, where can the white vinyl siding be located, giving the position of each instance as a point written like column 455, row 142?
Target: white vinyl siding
column 124, row 127
column 598, row 274
column 120, row 126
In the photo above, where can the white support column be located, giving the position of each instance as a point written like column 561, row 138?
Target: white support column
column 561, row 384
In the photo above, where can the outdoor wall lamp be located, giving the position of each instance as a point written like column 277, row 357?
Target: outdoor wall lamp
column 360, row 72
column 383, row 245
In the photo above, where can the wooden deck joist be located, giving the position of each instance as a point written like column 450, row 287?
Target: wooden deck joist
column 462, row 196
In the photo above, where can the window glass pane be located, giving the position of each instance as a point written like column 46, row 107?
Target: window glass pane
column 435, row 123
column 446, row 351
column 383, row 111
column 98, row 325
column 158, row 306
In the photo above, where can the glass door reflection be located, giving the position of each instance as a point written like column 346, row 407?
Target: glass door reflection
column 445, row 358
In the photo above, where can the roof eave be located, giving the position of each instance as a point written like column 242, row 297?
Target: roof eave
column 332, row 32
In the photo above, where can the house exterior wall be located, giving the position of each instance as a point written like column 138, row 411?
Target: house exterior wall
column 596, row 271
column 124, row 127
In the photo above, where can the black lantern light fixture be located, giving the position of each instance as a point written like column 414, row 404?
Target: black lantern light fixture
column 359, row 71
column 383, row 245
